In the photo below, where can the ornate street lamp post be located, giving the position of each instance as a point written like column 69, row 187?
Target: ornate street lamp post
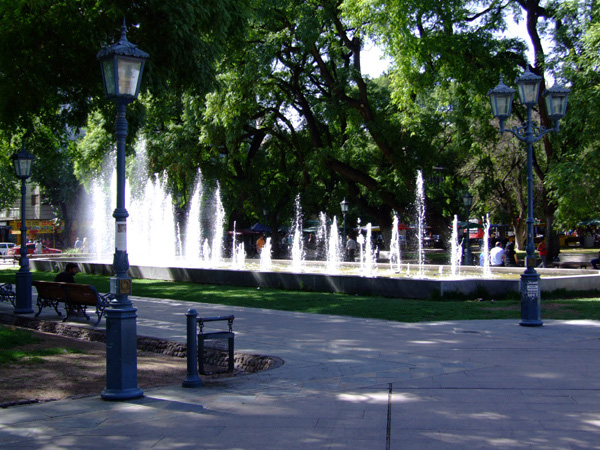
column 22, row 162
column 468, row 201
column 529, row 132
column 344, row 205
column 122, row 65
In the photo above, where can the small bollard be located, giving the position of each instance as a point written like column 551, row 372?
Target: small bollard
column 192, row 379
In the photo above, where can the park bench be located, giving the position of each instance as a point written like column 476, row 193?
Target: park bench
column 215, row 335
column 76, row 297
column 576, row 261
column 7, row 294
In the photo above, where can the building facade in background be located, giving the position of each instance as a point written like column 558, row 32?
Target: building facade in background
column 41, row 221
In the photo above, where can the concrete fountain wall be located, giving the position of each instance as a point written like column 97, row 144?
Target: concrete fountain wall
column 470, row 285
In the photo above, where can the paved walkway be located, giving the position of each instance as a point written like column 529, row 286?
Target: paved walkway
column 455, row 385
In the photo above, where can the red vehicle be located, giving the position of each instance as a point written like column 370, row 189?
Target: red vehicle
column 31, row 250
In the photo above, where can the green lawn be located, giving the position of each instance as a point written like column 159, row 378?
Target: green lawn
column 558, row 306
column 12, row 339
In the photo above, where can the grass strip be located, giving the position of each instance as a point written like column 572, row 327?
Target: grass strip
column 11, row 339
column 563, row 305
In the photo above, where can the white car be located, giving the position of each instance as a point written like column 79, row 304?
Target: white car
column 4, row 246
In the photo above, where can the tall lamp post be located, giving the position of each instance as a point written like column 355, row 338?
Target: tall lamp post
column 122, row 65
column 22, row 162
column 501, row 98
column 344, row 205
column 468, row 201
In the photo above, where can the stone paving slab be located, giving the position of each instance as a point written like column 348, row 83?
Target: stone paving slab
column 455, row 385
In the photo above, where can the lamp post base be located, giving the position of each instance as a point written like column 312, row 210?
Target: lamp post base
column 23, row 293
column 531, row 311
column 121, row 354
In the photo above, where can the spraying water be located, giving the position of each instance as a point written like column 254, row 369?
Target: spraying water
column 395, row 247
column 193, row 236
column 218, row 229
column 487, row 271
column 456, row 253
column 297, row 242
column 238, row 253
column 360, row 240
column 265, row 256
column 333, row 249
column 103, row 239
column 369, row 253
column 206, row 252
column 322, row 237
column 420, row 205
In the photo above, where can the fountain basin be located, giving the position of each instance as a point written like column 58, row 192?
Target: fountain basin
column 467, row 285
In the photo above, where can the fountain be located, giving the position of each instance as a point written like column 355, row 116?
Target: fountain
column 456, row 249
column 395, row 256
column 193, row 247
column 265, row 256
column 201, row 258
column 334, row 249
column 368, row 256
column 218, row 229
column 487, row 270
column 297, row 242
column 420, row 206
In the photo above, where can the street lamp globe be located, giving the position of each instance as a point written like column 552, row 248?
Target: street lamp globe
column 344, row 205
column 22, row 162
column 501, row 98
column 122, row 64
column 467, row 199
column 528, row 86
column 556, row 101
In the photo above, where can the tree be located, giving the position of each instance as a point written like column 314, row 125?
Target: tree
column 50, row 79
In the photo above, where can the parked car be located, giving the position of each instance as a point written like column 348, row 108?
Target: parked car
column 5, row 247
column 31, row 250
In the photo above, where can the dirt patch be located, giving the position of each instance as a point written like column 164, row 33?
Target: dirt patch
column 83, row 372
column 77, row 374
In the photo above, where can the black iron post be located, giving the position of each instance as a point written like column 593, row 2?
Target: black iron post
column 22, row 163
column 192, row 379
column 344, row 206
column 122, row 65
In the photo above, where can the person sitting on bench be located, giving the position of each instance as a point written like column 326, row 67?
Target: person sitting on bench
column 68, row 275
column 596, row 262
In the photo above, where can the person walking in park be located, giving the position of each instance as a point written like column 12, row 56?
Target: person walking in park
column 260, row 243
column 350, row 248
column 38, row 247
column 510, row 256
column 78, row 244
column 543, row 251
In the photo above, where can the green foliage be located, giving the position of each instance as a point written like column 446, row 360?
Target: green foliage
column 9, row 184
column 49, row 47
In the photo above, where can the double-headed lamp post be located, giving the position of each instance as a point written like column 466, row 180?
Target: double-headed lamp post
column 122, row 65
column 344, row 205
column 22, row 162
column 468, row 201
column 529, row 132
